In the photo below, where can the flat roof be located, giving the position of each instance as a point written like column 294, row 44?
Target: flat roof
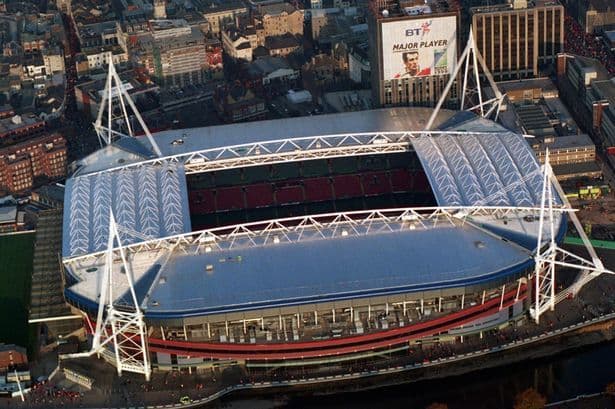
column 567, row 142
column 325, row 270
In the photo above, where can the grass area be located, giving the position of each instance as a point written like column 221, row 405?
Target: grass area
column 16, row 254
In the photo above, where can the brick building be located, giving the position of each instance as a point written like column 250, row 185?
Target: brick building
column 43, row 156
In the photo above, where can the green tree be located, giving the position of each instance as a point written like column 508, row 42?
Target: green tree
column 529, row 399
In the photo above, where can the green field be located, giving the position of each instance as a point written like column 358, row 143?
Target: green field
column 16, row 252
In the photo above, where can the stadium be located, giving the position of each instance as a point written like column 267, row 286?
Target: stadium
column 307, row 240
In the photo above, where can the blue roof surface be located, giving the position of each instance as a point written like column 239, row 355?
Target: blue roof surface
column 327, row 270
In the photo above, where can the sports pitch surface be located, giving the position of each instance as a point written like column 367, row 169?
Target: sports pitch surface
column 16, row 253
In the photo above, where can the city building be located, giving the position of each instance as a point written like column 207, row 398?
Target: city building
column 218, row 13
column 595, row 16
column 11, row 220
column 270, row 71
column 566, row 149
column 239, row 43
column 325, row 71
column 101, row 43
column 51, row 196
column 413, row 51
column 136, row 10
column 589, row 90
column 516, row 39
column 278, row 19
column 19, row 127
column 173, row 53
column 53, row 59
column 282, row 45
column 332, row 25
column 21, row 163
column 12, row 357
column 236, row 103
column 160, row 9
column 359, row 69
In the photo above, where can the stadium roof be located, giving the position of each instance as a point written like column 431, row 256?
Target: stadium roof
column 331, row 270
column 439, row 254
column 148, row 202
column 469, row 168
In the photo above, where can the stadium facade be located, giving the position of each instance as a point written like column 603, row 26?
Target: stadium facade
column 308, row 240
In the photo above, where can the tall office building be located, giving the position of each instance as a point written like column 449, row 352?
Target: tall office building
column 413, row 50
column 518, row 37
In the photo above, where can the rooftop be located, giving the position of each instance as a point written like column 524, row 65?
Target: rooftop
column 606, row 89
column 333, row 269
column 514, row 5
column 275, row 8
column 411, row 8
column 567, row 142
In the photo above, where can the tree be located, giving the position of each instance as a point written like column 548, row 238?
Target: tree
column 437, row 405
column 529, row 399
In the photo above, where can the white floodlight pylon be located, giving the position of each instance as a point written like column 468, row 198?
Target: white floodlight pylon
column 471, row 57
column 115, row 91
column 549, row 255
column 123, row 329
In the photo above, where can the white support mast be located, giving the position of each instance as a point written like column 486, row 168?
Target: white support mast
column 549, row 255
column 115, row 92
column 470, row 87
column 123, row 328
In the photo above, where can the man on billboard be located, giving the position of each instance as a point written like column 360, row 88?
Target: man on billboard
column 411, row 64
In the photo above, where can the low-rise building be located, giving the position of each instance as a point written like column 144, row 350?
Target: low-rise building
column 278, row 19
column 34, row 65
column 49, row 195
column 269, row 70
column 11, row 219
column 12, row 357
column 101, row 43
column 20, row 163
column 359, row 70
column 53, row 59
column 239, row 43
column 18, row 127
column 282, row 45
column 566, row 149
column 218, row 13
column 236, row 103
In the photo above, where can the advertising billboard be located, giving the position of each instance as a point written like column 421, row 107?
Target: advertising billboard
column 419, row 47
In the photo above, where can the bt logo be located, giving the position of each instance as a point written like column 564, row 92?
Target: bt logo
column 424, row 29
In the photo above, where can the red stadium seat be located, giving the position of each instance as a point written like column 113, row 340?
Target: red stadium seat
column 202, row 201
column 260, row 195
column 421, row 184
column 289, row 194
column 347, row 186
column 230, row 198
column 401, row 180
column 375, row 183
column 318, row 189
